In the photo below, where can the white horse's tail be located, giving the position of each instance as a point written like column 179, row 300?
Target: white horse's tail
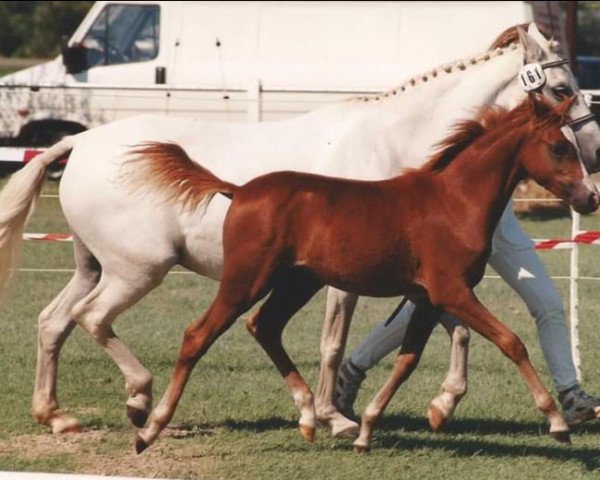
column 17, row 201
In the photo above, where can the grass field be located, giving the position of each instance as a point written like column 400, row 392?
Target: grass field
column 236, row 420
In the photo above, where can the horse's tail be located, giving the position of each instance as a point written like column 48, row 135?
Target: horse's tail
column 168, row 169
column 17, row 201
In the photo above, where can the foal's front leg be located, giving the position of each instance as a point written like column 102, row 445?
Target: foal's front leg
column 340, row 307
column 454, row 386
column 462, row 302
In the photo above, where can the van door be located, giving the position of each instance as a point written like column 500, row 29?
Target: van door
column 122, row 47
column 125, row 55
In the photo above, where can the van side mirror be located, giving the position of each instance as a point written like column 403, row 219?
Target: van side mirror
column 74, row 57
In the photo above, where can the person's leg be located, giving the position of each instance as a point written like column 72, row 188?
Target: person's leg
column 383, row 339
column 515, row 260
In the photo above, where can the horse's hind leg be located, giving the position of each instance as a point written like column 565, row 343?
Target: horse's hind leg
column 454, row 386
column 96, row 313
column 340, row 307
column 292, row 291
column 55, row 323
column 197, row 339
column 418, row 332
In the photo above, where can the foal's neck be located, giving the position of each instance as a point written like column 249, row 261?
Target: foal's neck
column 489, row 170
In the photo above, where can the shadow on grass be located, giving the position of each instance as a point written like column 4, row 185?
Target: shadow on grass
column 403, row 432
column 589, row 458
column 478, row 426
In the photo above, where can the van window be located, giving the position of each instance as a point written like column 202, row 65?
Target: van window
column 123, row 34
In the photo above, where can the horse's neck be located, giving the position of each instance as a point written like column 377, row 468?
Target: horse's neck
column 484, row 177
column 401, row 128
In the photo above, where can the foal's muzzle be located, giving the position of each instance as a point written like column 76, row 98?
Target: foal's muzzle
column 585, row 199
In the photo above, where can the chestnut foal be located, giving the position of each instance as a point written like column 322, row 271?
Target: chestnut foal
column 425, row 234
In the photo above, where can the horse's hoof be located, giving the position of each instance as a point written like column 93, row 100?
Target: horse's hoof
column 140, row 444
column 65, row 424
column 308, row 433
column 436, row 418
column 362, row 448
column 350, row 432
column 341, row 427
column 136, row 416
column 73, row 429
column 562, row 437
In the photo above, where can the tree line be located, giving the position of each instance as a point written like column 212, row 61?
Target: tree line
column 34, row 29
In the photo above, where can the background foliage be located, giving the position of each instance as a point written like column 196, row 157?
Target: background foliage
column 35, row 29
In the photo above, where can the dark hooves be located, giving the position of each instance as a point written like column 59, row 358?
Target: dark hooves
column 562, row 437
column 140, row 444
column 138, row 417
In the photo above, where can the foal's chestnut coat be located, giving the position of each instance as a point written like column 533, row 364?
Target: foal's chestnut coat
column 425, row 234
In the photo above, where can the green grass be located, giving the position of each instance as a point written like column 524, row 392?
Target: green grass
column 236, row 420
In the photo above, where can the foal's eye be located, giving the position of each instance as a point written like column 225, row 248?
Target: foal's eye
column 561, row 92
column 559, row 150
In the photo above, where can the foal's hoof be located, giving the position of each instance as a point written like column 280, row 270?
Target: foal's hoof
column 562, row 437
column 308, row 433
column 140, row 444
column 136, row 416
column 437, row 419
column 362, row 448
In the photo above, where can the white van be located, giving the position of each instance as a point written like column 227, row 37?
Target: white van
column 238, row 61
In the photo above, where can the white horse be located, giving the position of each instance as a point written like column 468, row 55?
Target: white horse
column 125, row 243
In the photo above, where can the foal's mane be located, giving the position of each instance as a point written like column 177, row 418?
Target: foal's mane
column 465, row 132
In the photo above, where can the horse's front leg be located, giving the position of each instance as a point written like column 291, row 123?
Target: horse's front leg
column 338, row 314
column 454, row 385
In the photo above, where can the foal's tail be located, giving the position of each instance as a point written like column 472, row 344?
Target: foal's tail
column 167, row 168
column 17, row 201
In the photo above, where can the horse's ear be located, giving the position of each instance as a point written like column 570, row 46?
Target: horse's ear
column 532, row 52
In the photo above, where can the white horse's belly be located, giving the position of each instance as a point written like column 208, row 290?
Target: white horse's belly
column 139, row 228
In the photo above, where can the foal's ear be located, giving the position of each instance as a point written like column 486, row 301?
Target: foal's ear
column 540, row 107
column 562, row 109
column 543, row 110
column 532, row 52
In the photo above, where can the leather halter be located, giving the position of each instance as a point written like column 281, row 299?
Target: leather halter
column 576, row 123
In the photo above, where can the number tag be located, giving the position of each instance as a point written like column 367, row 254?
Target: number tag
column 532, row 77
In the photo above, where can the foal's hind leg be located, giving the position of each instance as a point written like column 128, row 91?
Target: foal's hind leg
column 292, row 291
column 454, row 386
column 340, row 307
column 418, row 331
column 96, row 313
column 55, row 323
column 197, row 339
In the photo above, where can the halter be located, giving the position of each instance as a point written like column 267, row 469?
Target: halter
column 533, row 78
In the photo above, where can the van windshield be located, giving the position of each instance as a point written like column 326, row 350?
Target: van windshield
column 123, row 34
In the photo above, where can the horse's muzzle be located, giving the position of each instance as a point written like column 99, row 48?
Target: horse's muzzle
column 586, row 201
